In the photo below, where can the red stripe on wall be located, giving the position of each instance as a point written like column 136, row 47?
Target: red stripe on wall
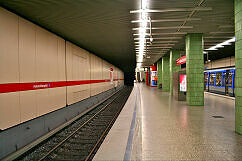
column 15, row 87
column 11, row 87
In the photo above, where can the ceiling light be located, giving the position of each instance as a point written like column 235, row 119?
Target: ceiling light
column 140, row 34
column 139, row 65
column 170, row 20
column 142, row 30
column 164, row 28
column 173, row 10
column 171, row 33
column 160, row 38
column 220, row 45
column 158, row 42
column 158, row 47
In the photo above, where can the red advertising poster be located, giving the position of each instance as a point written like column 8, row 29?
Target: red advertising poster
column 183, row 83
column 181, row 60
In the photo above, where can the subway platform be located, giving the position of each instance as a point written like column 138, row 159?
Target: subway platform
column 154, row 126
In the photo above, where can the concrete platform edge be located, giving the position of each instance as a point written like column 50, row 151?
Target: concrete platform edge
column 116, row 145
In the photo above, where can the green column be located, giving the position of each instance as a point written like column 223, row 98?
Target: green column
column 174, row 55
column 166, row 73
column 194, row 69
column 238, row 65
column 159, row 72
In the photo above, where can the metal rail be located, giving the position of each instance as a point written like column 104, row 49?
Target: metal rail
column 103, row 134
column 35, row 143
column 81, row 138
column 74, row 132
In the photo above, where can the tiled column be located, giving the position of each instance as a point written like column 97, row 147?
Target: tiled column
column 238, row 65
column 174, row 55
column 194, row 69
column 159, row 72
column 166, row 73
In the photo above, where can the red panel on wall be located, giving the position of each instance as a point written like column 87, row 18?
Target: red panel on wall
column 153, row 67
column 181, row 60
column 14, row 87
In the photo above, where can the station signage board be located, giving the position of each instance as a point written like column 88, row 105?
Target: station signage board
column 181, row 60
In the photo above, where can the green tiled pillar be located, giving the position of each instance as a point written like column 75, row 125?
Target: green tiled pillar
column 174, row 55
column 238, row 65
column 166, row 73
column 159, row 72
column 194, row 69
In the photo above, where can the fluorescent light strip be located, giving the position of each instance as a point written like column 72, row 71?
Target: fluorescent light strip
column 146, row 44
column 165, row 28
column 155, row 45
column 160, row 38
column 227, row 42
column 173, row 10
column 140, row 34
column 157, row 42
column 170, row 33
column 164, row 47
column 142, row 30
column 151, row 49
column 170, row 20
column 139, row 65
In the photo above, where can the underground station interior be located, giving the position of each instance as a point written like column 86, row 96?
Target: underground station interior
column 121, row 80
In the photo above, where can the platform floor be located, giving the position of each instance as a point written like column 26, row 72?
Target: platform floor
column 166, row 129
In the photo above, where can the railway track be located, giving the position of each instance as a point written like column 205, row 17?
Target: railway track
column 81, row 139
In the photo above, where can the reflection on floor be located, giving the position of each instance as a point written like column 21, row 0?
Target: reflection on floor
column 166, row 129
column 171, row 130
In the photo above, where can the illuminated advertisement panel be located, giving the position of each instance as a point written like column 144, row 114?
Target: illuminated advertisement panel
column 181, row 60
column 183, row 83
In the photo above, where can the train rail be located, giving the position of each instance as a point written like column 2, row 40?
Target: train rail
column 81, row 139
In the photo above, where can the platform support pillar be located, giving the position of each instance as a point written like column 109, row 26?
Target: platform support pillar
column 194, row 69
column 159, row 72
column 238, row 65
column 166, row 73
column 174, row 55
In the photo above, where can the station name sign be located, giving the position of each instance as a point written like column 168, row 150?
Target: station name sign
column 181, row 60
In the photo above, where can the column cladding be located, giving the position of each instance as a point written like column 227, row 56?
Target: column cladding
column 174, row 55
column 238, row 65
column 194, row 69
column 166, row 73
column 159, row 72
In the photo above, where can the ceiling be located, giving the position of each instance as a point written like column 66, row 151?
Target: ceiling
column 224, row 52
column 215, row 20
column 104, row 27
column 100, row 26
